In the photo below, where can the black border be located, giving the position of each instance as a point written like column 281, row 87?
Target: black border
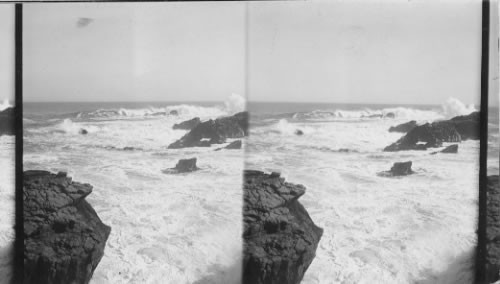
column 483, row 147
column 18, row 270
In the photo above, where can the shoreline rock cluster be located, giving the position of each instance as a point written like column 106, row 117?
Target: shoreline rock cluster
column 432, row 135
column 64, row 238
column 280, row 239
column 204, row 134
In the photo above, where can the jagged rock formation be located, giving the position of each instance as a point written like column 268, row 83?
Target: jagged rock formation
column 64, row 239
column 214, row 132
column 7, row 121
column 492, row 259
column 188, row 124
column 404, row 127
column 186, row 165
column 280, row 239
column 432, row 135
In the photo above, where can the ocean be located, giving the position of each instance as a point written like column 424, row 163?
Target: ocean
column 186, row 228
column 412, row 229
column 165, row 228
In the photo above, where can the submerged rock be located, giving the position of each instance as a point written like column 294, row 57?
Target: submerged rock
column 7, row 121
column 492, row 257
column 390, row 115
column 280, row 239
column 404, row 127
column 299, row 132
column 186, row 165
column 174, row 112
column 83, row 131
column 433, row 135
column 64, row 239
column 188, row 124
column 216, row 131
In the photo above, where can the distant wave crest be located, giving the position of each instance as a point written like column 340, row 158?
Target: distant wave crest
column 451, row 108
column 234, row 103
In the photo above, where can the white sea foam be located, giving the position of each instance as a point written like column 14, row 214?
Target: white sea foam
column 235, row 103
column 7, row 191
column 166, row 228
column 5, row 104
column 414, row 229
column 451, row 108
column 454, row 107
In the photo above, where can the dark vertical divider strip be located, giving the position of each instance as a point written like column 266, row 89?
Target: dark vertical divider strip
column 481, row 232
column 19, row 242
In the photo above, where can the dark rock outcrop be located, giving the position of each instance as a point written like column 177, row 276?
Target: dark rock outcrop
column 186, row 165
column 434, row 134
column 299, row 132
column 492, row 256
column 64, row 239
column 214, row 132
column 398, row 169
column 401, row 168
column 404, row 127
column 188, row 124
column 453, row 149
column 7, row 121
column 83, row 131
column 280, row 239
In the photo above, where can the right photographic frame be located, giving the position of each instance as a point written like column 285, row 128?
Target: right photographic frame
column 363, row 157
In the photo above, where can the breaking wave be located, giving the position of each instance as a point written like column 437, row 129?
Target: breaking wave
column 451, row 108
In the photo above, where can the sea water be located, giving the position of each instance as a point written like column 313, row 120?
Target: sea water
column 165, row 228
column 413, row 229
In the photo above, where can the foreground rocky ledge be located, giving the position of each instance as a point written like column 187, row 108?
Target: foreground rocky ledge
column 432, row 135
column 492, row 261
column 64, row 239
column 214, row 131
column 7, row 121
column 280, row 239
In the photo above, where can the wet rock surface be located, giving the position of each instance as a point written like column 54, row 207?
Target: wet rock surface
column 186, row 165
column 404, row 127
column 7, row 121
column 280, row 239
column 63, row 235
column 188, row 124
column 432, row 135
column 214, row 132
column 492, row 261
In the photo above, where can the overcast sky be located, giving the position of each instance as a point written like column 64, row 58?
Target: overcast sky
column 418, row 51
column 133, row 52
column 384, row 51
column 7, row 48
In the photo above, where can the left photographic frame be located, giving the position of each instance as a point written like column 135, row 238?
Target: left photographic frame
column 7, row 141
